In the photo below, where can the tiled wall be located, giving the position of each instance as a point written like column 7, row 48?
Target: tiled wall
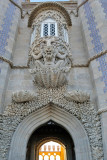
column 6, row 27
column 97, row 41
column 104, row 5
column 7, row 35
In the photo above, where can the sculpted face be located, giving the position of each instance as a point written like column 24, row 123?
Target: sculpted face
column 48, row 53
column 50, row 63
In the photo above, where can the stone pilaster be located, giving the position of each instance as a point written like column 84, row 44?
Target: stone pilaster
column 8, row 30
column 93, row 18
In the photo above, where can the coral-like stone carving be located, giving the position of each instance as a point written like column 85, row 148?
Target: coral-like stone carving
column 50, row 62
column 23, row 96
column 77, row 96
column 85, row 112
column 52, row 6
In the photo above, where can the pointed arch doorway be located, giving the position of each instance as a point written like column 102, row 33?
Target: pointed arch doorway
column 33, row 121
column 50, row 141
column 53, row 151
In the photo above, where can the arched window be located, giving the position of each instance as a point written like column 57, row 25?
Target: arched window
column 40, row 157
column 49, row 28
column 46, row 157
column 33, row 35
column 66, row 34
column 52, row 157
column 57, row 157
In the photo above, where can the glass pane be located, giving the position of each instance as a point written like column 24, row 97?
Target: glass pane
column 57, row 157
column 46, row 157
column 52, row 29
column 40, row 157
column 45, row 30
column 51, row 157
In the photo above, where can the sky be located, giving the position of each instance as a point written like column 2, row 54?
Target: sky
column 46, row 0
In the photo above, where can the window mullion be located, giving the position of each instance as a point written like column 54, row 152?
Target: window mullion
column 49, row 29
column 56, row 31
column 42, row 29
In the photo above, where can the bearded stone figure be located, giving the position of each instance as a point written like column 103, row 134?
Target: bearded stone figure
column 50, row 62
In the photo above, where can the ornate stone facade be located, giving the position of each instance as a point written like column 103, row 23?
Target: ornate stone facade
column 49, row 57
column 50, row 61
column 84, row 111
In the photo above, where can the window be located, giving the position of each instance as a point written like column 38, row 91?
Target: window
column 49, row 28
column 66, row 35
column 33, row 35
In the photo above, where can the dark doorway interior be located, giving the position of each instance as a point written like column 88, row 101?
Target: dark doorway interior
column 50, row 131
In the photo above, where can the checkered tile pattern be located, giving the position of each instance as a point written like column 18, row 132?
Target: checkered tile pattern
column 97, row 42
column 5, row 28
column 104, row 5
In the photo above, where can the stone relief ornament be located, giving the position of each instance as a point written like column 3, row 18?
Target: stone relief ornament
column 50, row 61
column 23, row 96
column 55, row 15
column 77, row 96
column 47, row 14
column 84, row 111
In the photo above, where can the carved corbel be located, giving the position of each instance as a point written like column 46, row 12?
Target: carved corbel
column 23, row 96
column 77, row 96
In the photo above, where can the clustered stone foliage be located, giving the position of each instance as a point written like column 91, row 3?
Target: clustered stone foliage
column 77, row 103
column 84, row 111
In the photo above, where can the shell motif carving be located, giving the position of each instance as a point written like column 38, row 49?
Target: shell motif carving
column 49, row 62
column 77, row 96
column 23, row 96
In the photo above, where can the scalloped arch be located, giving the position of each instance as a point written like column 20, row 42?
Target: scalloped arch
column 49, row 6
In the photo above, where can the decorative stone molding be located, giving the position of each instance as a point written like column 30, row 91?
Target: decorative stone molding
column 42, row 116
column 102, row 110
column 77, row 9
column 57, row 16
column 7, row 61
column 77, row 96
column 85, row 1
column 23, row 96
column 21, row 11
column 84, row 111
column 50, row 61
column 49, row 6
column 90, row 60
column 72, row 65
column 11, row 63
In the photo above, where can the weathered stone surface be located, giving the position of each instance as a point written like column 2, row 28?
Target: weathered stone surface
column 23, row 96
column 51, row 66
column 77, row 96
column 84, row 111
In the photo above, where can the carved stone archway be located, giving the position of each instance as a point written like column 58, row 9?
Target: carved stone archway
column 34, row 120
column 49, row 6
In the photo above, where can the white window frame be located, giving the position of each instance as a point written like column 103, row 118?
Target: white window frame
column 33, row 35
column 66, row 35
column 49, row 21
